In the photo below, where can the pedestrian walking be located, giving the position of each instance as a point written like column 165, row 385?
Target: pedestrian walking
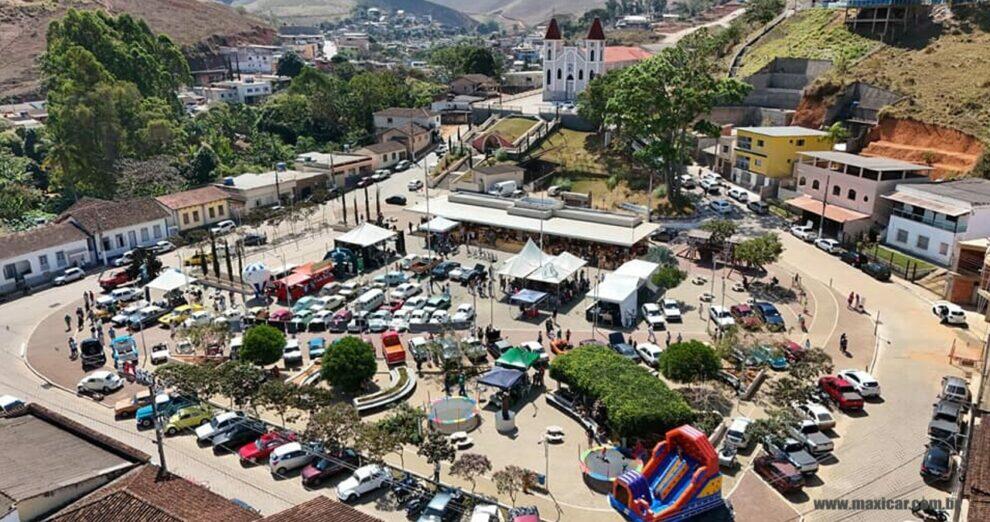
column 539, row 336
column 555, row 315
column 568, row 335
column 844, row 344
column 85, row 298
column 857, row 302
column 73, row 351
column 679, row 338
column 701, row 309
column 92, row 298
column 668, row 338
column 849, row 302
column 68, row 322
column 111, row 333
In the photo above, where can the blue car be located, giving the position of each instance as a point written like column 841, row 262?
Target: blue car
column 124, row 349
column 769, row 314
column 167, row 406
column 317, row 347
column 442, row 270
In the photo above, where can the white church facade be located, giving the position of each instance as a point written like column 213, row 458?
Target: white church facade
column 567, row 69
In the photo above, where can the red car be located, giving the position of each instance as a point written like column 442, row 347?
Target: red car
column 783, row 476
column 259, row 450
column 744, row 316
column 114, row 280
column 281, row 314
column 394, row 305
column 840, row 391
column 792, row 350
column 323, row 468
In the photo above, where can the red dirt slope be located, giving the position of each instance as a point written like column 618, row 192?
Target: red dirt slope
column 950, row 152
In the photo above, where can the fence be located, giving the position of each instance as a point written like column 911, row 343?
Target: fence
column 900, row 264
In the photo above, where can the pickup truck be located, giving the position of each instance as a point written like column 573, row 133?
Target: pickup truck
column 392, row 348
column 791, row 451
column 424, row 267
column 841, row 392
column 814, row 440
column 114, row 280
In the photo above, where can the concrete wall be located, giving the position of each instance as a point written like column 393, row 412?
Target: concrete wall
column 36, row 507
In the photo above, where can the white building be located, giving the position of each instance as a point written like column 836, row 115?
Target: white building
column 36, row 256
column 114, row 227
column 247, row 90
column 567, row 69
column 928, row 220
column 403, row 117
column 252, row 59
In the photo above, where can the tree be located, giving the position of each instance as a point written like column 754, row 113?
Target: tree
column 263, row 345
column 721, row 229
column 762, row 11
column 240, row 382
column 336, row 425
column 145, row 265
column 155, row 176
column 759, row 251
column 688, row 361
column 290, row 64
column 837, row 133
column 511, row 481
column 350, row 363
column 374, row 443
column 406, row 422
column 774, row 425
column 280, row 397
column 203, row 167
column 663, row 99
column 470, row 466
column 193, row 380
column 592, row 102
column 668, row 277
column 436, row 448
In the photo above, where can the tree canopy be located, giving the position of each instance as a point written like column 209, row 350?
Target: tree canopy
column 349, row 364
column 263, row 345
column 688, row 361
column 465, row 58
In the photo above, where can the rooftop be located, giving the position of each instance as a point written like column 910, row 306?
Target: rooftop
column 188, row 198
column 96, row 215
column 475, row 78
column 974, row 191
column 783, row 132
column 47, row 236
column 325, row 158
column 406, row 112
column 619, row 53
column 977, row 485
column 866, row 162
column 321, row 509
column 265, row 179
column 382, row 148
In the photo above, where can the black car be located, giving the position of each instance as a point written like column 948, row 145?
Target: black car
column 92, row 353
column 665, row 234
column 876, row 271
column 937, row 464
column 237, row 434
column 479, row 271
column 442, row 270
column 854, row 258
column 396, row 200
column 254, row 239
column 365, row 182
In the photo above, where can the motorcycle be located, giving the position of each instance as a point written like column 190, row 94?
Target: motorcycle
column 404, row 487
column 929, row 514
column 416, row 505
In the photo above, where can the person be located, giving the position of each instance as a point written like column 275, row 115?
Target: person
column 668, row 338
column 79, row 317
column 567, row 335
column 679, row 338
column 73, row 351
column 857, row 302
column 804, row 327
column 849, row 302
column 539, row 336
column 844, row 343
column 807, row 344
column 68, row 322
column 555, row 314
column 111, row 333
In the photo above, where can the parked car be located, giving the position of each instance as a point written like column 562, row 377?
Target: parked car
column 339, row 321
column 737, row 435
column 782, row 476
column 949, row 313
column 817, row 413
column 397, row 199
column 939, row 463
column 829, row 245
column 808, row 433
column 145, row 317
column 617, row 341
column 69, row 275
column 237, row 435
column 443, row 269
column 405, row 290
column 224, row 227
column 102, row 381
column 464, row 313
column 841, row 392
column 403, row 165
column 769, row 314
column 945, row 431
column 665, row 234
column 198, row 318
column 804, row 232
column 128, row 407
column 323, row 468
column 854, row 258
column 438, row 302
column 126, row 294
column 205, row 433
column 258, row 450
column 415, row 184
column 381, row 175
column 254, row 239
column 721, row 317
column 288, row 457
column 948, row 411
column 441, row 508
column 739, row 194
column 955, row 389
column 721, row 206
column 758, row 207
column 393, row 278
column 364, row 480
column 649, row 353
column 863, row 382
column 710, row 186
column 11, row 406
column 178, row 315
column 487, row 512
column 188, row 418
column 876, row 271
column 292, row 353
column 160, row 354
column 745, row 316
column 125, row 259
column 791, row 451
column 671, row 310
column 114, row 280
column 167, row 406
column 162, row 247
column 653, row 316
column 687, row 182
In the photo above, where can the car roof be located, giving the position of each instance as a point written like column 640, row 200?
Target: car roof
column 101, row 373
column 227, row 415
column 287, row 448
column 860, row 374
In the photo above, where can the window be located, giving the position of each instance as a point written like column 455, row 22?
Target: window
column 185, row 218
column 106, row 244
column 220, row 210
column 943, row 249
column 132, row 238
column 851, row 195
column 120, row 241
column 814, row 184
column 210, row 209
column 581, row 74
column 559, row 74
column 902, row 235
column 922, row 242
column 759, row 143
column 866, row 198
column 800, row 143
column 759, row 162
column 836, row 190
column 591, row 75
column 549, row 76
column 144, row 235
column 803, row 181
column 10, row 271
column 157, row 231
column 60, row 258
column 592, row 55
column 549, row 54
column 43, row 262
column 195, row 215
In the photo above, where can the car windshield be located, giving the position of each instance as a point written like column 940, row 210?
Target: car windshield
column 322, row 464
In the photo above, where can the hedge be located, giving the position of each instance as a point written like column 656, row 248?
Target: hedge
column 688, row 361
column 637, row 404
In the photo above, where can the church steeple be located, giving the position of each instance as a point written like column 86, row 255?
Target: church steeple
column 553, row 31
column 595, row 32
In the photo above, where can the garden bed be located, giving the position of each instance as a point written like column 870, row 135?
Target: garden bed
column 402, row 381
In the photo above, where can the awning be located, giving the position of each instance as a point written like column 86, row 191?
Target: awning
column 517, row 358
column 559, row 269
column 529, row 297
column 502, row 378
column 439, row 225
column 365, row 235
column 832, row 212
column 928, row 204
column 170, row 280
column 525, row 262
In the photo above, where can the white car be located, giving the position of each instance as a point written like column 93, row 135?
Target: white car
column 950, row 313
column 10, row 404
column 864, row 383
column 160, row 354
column 205, row 432
column 400, row 320
column 321, row 319
column 69, row 275
column 349, row 291
column 721, row 206
column 292, row 354
column 124, row 316
column 198, row 318
column 721, row 317
column 223, row 227
column 415, row 184
column 379, row 320
column 405, row 291
column 381, row 175
column 464, row 313
column 649, row 353
column 330, row 289
column 365, row 479
column 804, row 233
column 486, row 513
column 831, row 246
column 536, row 348
column 439, row 317
column 457, row 273
column 418, row 316
column 687, row 182
column 125, row 295
column 125, row 259
column 162, row 247
column 710, row 186
column 654, row 316
column 415, row 303
column 288, row 457
column 739, row 194
column 737, row 435
column 816, row 412
column 102, row 381
column 671, row 310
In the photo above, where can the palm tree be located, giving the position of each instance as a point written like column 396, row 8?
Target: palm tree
column 837, row 133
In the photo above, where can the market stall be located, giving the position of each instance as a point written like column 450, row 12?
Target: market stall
column 368, row 244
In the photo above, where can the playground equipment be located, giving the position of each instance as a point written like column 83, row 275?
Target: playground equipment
column 602, row 465
column 452, row 414
column 681, row 480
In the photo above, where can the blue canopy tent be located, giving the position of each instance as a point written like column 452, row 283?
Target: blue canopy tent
column 528, row 301
column 502, row 378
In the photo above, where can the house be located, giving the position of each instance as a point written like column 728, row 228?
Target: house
column 928, row 220
column 519, row 81
column 969, row 276
column 402, row 117
column 50, row 461
column 567, row 69
column 196, row 208
column 249, row 90
column 474, row 85
column 321, row 509
column 480, row 179
column 252, row 59
column 356, row 43
column 383, row 155
column 30, row 114
column 849, row 188
column 634, row 22
column 620, row 57
column 413, row 137
column 346, row 169
column 289, row 35
column 114, row 227
column 250, row 190
column 34, row 257
column 765, row 156
column 207, row 69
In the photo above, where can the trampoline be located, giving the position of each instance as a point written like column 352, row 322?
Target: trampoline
column 452, row 414
column 603, row 464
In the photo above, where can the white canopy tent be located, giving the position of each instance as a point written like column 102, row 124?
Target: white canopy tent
column 525, row 262
column 558, row 269
column 439, row 225
column 366, row 235
column 170, row 280
column 621, row 290
column 643, row 270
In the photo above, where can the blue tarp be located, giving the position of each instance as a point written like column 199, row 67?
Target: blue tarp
column 530, row 297
column 502, row 378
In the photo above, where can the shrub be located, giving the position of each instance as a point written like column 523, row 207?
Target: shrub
column 263, row 345
column 349, row 363
column 636, row 403
column 668, row 277
column 562, row 182
column 688, row 361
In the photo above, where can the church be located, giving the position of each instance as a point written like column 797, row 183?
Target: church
column 567, row 69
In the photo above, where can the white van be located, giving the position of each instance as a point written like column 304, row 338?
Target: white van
column 370, row 301
column 503, row 188
column 738, row 432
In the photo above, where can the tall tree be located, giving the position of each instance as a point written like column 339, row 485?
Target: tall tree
column 350, row 364
column 470, row 466
column 291, row 64
column 436, row 448
column 336, row 425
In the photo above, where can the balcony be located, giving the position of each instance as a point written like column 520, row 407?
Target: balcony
column 940, row 223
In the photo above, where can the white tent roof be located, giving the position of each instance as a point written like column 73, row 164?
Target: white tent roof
column 170, row 280
column 558, row 269
column 616, row 288
column 639, row 268
column 440, row 225
column 525, row 262
column 365, row 235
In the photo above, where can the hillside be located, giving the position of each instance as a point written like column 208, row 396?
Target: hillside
column 304, row 12
column 527, row 12
column 23, row 25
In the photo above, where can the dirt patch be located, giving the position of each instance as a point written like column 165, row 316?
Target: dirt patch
column 949, row 151
column 810, row 112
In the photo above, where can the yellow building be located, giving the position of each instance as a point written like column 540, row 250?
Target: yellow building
column 196, row 208
column 766, row 155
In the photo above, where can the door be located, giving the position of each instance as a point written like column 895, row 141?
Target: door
column 132, row 239
column 570, row 86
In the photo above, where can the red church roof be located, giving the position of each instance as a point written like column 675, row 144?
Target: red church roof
column 553, row 32
column 596, row 32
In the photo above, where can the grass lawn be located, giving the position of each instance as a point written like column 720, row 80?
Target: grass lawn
column 574, row 152
column 512, row 128
column 898, row 259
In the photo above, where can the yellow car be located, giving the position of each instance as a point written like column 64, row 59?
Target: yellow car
column 188, row 418
column 196, row 260
column 179, row 314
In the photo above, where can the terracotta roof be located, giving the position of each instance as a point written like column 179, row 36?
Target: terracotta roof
column 382, row 148
column 553, row 31
column 321, row 509
column 141, row 495
column 977, row 486
column 618, row 53
column 406, row 112
column 100, row 215
column 596, row 32
column 833, row 212
column 188, row 198
column 40, row 238
column 414, row 130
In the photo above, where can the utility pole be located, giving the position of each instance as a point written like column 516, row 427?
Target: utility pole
column 147, row 378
